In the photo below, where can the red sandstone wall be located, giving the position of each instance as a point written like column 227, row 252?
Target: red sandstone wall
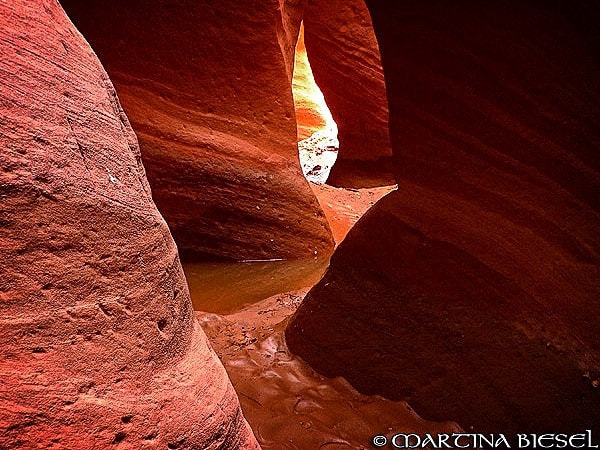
column 287, row 30
column 207, row 89
column 99, row 345
column 473, row 290
column 344, row 55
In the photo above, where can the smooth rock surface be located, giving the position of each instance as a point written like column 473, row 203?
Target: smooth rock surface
column 207, row 87
column 99, row 345
column 473, row 290
column 346, row 63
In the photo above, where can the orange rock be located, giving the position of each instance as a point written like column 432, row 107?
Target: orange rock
column 99, row 344
column 311, row 111
column 207, row 88
column 472, row 290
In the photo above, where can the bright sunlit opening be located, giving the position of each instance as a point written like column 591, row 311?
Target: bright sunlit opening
column 317, row 131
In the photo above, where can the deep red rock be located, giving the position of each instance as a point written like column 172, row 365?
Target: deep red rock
column 288, row 30
column 207, row 87
column 473, row 290
column 346, row 63
column 99, row 345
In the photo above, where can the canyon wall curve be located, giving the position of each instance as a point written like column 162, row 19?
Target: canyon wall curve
column 99, row 343
column 344, row 55
column 473, row 290
column 207, row 88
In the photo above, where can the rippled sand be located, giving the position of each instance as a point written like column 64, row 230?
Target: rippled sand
column 244, row 307
column 288, row 405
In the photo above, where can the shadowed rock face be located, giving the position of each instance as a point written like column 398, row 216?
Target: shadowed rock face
column 99, row 345
column 288, row 30
column 473, row 290
column 344, row 55
column 208, row 92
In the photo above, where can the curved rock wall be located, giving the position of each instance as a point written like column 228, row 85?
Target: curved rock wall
column 207, row 89
column 344, row 55
column 289, row 29
column 473, row 290
column 99, row 345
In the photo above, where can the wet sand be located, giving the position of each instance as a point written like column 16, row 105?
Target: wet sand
column 288, row 405
column 244, row 308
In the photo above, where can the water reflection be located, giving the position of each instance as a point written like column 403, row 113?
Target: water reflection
column 227, row 287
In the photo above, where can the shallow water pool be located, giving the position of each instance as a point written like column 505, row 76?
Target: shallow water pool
column 227, row 287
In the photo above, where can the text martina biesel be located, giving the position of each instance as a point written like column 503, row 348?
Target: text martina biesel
column 474, row 440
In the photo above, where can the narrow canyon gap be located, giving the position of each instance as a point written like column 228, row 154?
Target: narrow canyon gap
column 207, row 87
column 346, row 63
column 209, row 96
column 318, row 142
column 99, row 346
column 473, row 290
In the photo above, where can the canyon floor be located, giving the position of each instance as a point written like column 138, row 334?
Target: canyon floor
column 287, row 404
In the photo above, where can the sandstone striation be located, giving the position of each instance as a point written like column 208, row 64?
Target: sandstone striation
column 99, row 345
column 344, row 56
column 207, row 87
column 473, row 290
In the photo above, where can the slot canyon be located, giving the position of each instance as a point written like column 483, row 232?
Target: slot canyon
column 297, row 224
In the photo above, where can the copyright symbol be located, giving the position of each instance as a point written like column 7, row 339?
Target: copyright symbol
column 379, row 441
